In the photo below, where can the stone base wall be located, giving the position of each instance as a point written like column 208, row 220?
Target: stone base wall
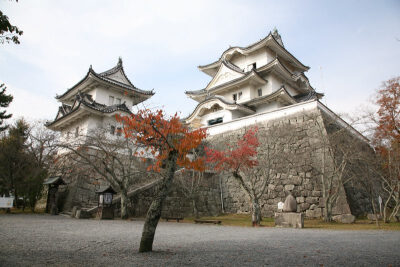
column 295, row 171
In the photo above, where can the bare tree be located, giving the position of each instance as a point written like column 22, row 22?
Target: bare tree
column 190, row 183
column 41, row 146
column 337, row 152
column 252, row 165
column 112, row 157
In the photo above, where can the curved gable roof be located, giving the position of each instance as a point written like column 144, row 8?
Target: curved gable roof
column 269, row 40
column 107, row 77
column 221, row 101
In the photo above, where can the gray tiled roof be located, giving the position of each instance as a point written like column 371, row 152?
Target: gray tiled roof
column 103, row 77
column 86, row 100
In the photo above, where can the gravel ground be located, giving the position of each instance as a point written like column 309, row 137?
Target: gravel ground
column 57, row 240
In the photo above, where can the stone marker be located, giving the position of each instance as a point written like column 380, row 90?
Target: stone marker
column 289, row 217
column 290, row 204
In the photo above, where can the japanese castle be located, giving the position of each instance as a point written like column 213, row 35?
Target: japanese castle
column 246, row 81
column 95, row 100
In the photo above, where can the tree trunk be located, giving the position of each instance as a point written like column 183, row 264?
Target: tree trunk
column 16, row 198
column 195, row 210
column 256, row 214
column 328, row 210
column 375, row 212
column 385, row 207
column 154, row 212
column 124, row 204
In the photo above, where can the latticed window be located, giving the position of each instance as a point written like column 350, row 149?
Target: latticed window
column 112, row 129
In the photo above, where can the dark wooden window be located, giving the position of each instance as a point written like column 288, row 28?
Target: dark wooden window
column 112, row 129
column 215, row 121
column 259, row 92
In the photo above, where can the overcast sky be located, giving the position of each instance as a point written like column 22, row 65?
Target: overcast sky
column 350, row 46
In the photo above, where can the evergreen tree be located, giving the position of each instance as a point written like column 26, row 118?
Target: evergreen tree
column 5, row 100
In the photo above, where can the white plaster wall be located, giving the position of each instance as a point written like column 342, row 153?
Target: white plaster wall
column 260, row 117
column 224, row 75
column 225, row 114
column 261, row 57
column 268, row 107
column 246, row 94
column 118, row 76
column 101, row 95
column 291, row 90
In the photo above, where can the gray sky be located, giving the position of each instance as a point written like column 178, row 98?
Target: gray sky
column 351, row 46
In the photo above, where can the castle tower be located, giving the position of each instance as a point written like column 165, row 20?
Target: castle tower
column 94, row 101
column 255, row 79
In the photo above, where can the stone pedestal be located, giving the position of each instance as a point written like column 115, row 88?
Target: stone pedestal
column 289, row 219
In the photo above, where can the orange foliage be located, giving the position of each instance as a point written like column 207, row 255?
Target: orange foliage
column 236, row 158
column 388, row 129
column 160, row 135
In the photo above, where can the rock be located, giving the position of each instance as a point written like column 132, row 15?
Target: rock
column 290, row 204
column 344, row 218
column 289, row 219
column 316, row 213
column 304, row 206
column 289, row 187
column 372, row 217
column 300, row 199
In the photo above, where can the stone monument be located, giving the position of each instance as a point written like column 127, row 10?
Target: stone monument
column 289, row 217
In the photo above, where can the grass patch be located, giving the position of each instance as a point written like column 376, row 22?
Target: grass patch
column 20, row 211
column 234, row 220
column 244, row 220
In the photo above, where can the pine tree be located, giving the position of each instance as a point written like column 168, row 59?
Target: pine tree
column 5, row 100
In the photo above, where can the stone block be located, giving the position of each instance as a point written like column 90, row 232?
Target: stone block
column 289, row 187
column 312, row 200
column 322, row 202
column 316, row 193
column 315, row 213
column 372, row 217
column 344, row 218
column 304, row 206
column 289, row 220
column 278, row 188
column 271, row 187
column 300, row 199
column 297, row 180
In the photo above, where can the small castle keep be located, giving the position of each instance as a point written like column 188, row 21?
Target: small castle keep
column 261, row 85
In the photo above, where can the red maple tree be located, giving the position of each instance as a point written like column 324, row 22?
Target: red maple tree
column 389, row 111
column 239, row 160
column 170, row 143
column 387, row 142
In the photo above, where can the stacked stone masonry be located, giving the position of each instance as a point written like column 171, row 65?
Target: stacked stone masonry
column 296, row 174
